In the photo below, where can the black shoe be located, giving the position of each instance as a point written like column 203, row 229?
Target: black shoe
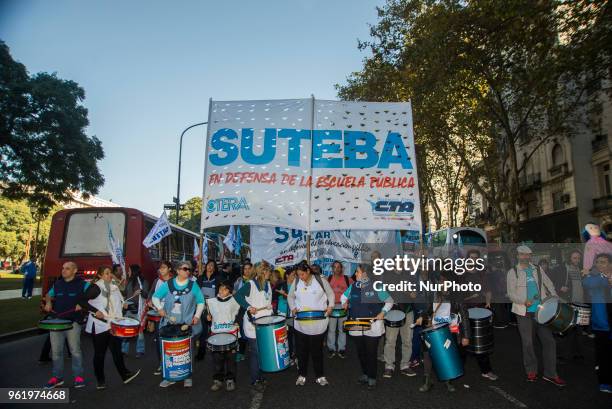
column 129, row 376
column 200, row 355
column 341, row 354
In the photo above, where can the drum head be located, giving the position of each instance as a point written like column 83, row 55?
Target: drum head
column 479, row 313
column 126, row 321
column 395, row 315
column 55, row 321
column 269, row 320
column 547, row 310
column 173, row 331
column 222, row 339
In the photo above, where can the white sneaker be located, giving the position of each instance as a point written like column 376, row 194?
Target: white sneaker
column 188, row 383
column 301, row 381
column 490, row 375
column 322, row 381
column 165, row 383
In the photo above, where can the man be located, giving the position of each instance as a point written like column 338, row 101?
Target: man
column 477, row 299
column 527, row 286
column 28, row 269
column 339, row 283
column 62, row 300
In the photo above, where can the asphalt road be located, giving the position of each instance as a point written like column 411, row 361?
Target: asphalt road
column 19, row 368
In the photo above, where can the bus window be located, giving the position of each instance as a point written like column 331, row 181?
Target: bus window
column 468, row 237
column 439, row 238
column 87, row 233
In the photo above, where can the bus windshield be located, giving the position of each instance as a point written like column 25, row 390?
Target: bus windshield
column 468, row 237
column 87, row 233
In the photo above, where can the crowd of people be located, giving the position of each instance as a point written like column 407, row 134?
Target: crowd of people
column 220, row 301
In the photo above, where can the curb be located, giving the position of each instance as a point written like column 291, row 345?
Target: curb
column 24, row 333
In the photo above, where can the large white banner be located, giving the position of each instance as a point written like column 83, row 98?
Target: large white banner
column 285, row 247
column 311, row 165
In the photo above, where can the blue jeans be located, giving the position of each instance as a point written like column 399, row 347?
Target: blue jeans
column 73, row 336
column 254, row 360
column 140, row 341
column 416, row 343
column 28, row 286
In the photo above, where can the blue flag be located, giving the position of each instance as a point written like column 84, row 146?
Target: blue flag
column 230, row 239
column 238, row 241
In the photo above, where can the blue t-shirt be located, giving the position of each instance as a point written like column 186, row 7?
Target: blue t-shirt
column 29, row 270
column 162, row 291
column 532, row 290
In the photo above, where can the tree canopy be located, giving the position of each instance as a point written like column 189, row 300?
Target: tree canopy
column 45, row 152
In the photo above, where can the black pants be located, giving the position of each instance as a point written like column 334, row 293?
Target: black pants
column 101, row 342
column 570, row 345
column 367, row 348
column 224, row 364
column 291, row 339
column 484, row 363
column 203, row 337
column 309, row 345
column 603, row 356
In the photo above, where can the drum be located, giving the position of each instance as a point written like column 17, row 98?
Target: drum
column 356, row 325
column 481, row 325
column 176, row 352
column 222, row 342
column 310, row 315
column 125, row 327
column 338, row 311
column 272, row 343
column 443, row 351
column 395, row 319
column 583, row 313
column 153, row 316
column 54, row 324
column 555, row 314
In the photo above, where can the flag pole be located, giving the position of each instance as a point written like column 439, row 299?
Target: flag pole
column 200, row 250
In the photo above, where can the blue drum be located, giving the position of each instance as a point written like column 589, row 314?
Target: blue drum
column 176, row 352
column 272, row 343
column 443, row 351
column 310, row 315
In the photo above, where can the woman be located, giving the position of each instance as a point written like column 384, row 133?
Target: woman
column 291, row 280
column 136, row 291
column 256, row 298
column 310, row 293
column 208, row 283
column 118, row 278
column 247, row 274
column 279, row 293
column 180, row 301
column 104, row 302
column 363, row 301
column 164, row 273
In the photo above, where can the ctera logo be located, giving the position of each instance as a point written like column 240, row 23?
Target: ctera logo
column 385, row 207
column 227, row 204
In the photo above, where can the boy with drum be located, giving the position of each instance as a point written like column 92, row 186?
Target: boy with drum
column 222, row 311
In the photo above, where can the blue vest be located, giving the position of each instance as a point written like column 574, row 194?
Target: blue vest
column 66, row 296
column 363, row 300
column 188, row 306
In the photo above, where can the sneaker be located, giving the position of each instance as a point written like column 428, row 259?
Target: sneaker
column 216, row 386
column 341, row 354
column 101, row 386
column 165, row 383
column 371, row 383
column 331, row 354
column 415, row 363
column 259, row 386
column 490, row 376
column 556, row 381
column 79, row 382
column 408, row 372
column 230, row 385
column 500, row 326
column 54, row 383
column 321, row 381
column 388, row 373
column 532, row 377
column 449, row 387
column 591, row 335
column 129, row 376
column 301, row 381
column 188, row 383
column 363, row 380
column 427, row 385
column 157, row 371
column 605, row 388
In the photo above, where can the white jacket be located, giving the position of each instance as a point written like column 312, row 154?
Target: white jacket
column 516, row 286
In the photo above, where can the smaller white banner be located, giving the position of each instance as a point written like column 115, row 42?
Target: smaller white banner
column 158, row 232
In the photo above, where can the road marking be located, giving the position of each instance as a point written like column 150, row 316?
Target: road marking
column 256, row 400
column 509, row 397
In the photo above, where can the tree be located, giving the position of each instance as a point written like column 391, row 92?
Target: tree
column 44, row 150
column 489, row 73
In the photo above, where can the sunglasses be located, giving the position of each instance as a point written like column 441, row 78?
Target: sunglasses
column 185, row 269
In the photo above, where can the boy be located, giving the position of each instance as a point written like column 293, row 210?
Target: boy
column 222, row 311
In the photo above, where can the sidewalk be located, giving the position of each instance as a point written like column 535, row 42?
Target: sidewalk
column 10, row 294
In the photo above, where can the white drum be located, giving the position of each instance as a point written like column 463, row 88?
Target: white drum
column 583, row 313
column 222, row 342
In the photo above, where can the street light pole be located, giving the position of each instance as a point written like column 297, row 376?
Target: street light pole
column 178, row 184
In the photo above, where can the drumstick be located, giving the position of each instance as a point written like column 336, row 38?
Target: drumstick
column 366, row 318
column 65, row 312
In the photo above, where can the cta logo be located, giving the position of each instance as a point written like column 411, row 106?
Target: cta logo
column 386, row 207
column 227, row 204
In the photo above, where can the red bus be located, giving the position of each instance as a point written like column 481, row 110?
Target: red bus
column 81, row 235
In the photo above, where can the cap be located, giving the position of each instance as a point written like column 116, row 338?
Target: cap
column 524, row 250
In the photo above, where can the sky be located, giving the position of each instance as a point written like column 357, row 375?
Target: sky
column 150, row 67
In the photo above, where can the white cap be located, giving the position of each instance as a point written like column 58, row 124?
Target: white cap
column 524, row 250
